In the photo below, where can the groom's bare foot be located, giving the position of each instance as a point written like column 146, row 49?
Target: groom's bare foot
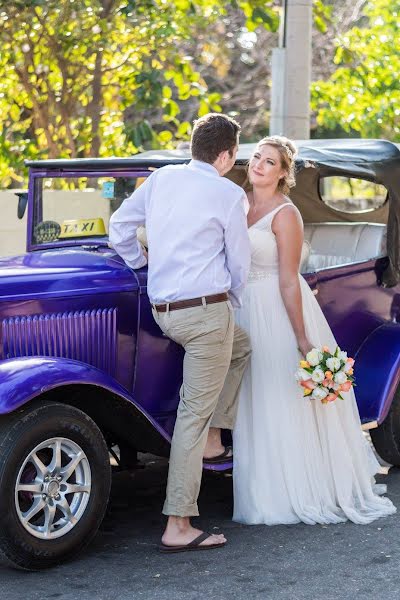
column 179, row 532
column 214, row 445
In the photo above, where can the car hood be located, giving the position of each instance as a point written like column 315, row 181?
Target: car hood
column 64, row 272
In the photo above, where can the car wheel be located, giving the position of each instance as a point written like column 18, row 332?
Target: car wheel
column 55, row 482
column 386, row 437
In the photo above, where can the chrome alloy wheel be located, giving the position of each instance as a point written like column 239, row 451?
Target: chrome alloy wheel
column 53, row 488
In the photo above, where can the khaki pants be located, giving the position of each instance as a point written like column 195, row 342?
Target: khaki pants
column 216, row 353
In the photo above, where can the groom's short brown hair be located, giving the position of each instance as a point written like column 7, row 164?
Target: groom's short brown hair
column 212, row 134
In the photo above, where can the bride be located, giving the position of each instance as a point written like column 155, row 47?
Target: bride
column 295, row 459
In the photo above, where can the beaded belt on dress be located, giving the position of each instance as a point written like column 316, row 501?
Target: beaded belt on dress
column 257, row 275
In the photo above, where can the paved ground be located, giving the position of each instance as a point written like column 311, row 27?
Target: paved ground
column 299, row 562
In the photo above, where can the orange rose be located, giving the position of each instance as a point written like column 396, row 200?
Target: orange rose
column 325, row 349
column 345, row 387
column 331, row 398
column 309, row 384
column 328, row 375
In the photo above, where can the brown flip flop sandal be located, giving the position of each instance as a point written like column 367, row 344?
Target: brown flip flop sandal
column 221, row 458
column 193, row 545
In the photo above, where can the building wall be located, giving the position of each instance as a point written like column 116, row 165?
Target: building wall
column 12, row 229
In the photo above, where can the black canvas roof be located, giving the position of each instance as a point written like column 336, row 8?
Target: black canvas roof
column 332, row 153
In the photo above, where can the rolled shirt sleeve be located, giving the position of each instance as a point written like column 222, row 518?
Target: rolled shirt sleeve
column 124, row 223
column 237, row 250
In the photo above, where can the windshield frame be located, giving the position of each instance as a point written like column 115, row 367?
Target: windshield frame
column 35, row 203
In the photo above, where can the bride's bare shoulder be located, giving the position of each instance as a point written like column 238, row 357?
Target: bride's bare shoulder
column 288, row 218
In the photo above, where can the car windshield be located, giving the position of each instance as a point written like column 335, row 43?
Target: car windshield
column 78, row 208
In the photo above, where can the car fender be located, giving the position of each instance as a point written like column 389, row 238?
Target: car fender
column 377, row 371
column 24, row 379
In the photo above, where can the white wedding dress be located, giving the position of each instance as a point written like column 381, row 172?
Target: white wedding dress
column 295, row 459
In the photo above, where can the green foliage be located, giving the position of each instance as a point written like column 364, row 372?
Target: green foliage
column 259, row 12
column 322, row 15
column 83, row 78
column 363, row 94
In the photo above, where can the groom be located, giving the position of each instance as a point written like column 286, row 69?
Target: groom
column 199, row 256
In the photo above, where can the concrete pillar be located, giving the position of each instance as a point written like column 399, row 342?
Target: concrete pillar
column 291, row 72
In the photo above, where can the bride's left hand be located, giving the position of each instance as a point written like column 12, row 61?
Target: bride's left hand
column 305, row 346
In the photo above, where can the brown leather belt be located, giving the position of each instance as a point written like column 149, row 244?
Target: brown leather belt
column 191, row 302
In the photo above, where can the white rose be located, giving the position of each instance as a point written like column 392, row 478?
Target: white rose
column 302, row 375
column 319, row 393
column 318, row 375
column 340, row 377
column 333, row 364
column 314, row 357
column 343, row 356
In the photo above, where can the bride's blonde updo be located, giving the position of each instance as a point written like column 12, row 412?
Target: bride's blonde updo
column 288, row 152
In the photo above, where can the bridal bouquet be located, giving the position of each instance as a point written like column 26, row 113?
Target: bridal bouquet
column 324, row 375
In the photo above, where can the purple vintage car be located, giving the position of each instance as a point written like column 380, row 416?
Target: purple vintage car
column 84, row 369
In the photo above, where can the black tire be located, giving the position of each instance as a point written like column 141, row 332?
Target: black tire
column 20, row 433
column 386, row 437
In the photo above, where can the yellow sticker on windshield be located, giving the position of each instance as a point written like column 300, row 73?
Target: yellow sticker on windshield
column 82, row 228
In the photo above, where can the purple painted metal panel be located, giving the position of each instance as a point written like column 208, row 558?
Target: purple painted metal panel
column 311, row 279
column 353, row 302
column 31, row 202
column 158, row 369
column 91, row 173
column 222, row 467
column 23, row 379
column 71, row 282
column 64, row 272
column 378, row 372
column 89, row 336
column 359, row 311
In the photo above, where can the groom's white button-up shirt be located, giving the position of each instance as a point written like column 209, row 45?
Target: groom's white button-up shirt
column 196, row 230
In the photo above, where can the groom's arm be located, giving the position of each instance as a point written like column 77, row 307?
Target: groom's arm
column 124, row 223
column 237, row 250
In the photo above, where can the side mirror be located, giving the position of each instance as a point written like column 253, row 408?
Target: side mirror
column 22, row 202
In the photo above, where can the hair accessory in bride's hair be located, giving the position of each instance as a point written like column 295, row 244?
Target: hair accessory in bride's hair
column 288, row 151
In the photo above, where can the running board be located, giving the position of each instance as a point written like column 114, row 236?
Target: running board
column 369, row 425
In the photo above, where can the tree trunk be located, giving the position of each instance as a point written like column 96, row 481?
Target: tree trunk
column 95, row 105
column 39, row 112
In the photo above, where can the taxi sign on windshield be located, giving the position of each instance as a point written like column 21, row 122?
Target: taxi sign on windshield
column 82, row 228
